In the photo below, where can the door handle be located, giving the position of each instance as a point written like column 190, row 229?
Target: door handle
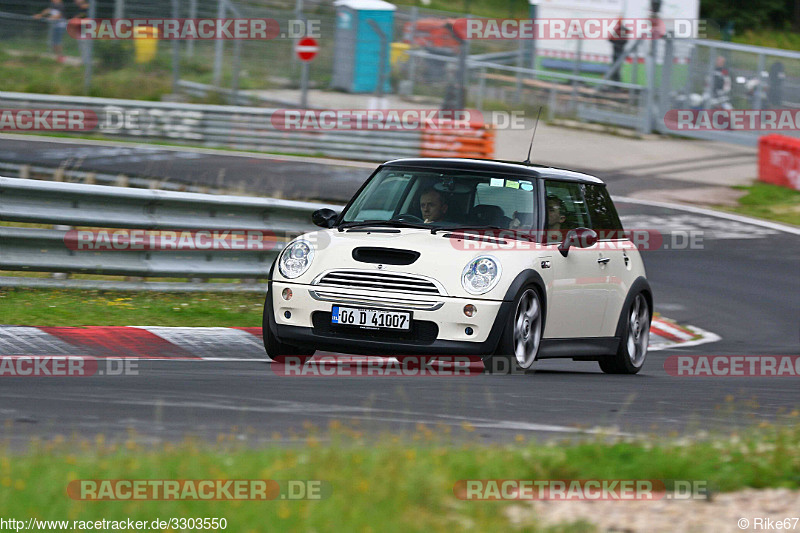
column 604, row 260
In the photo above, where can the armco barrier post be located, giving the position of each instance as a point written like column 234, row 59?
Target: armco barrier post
column 779, row 161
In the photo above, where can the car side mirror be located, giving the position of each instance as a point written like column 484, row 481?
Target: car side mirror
column 579, row 238
column 324, row 218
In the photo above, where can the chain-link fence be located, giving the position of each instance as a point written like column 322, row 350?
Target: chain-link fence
column 730, row 77
column 147, row 66
column 21, row 33
column 429, row 64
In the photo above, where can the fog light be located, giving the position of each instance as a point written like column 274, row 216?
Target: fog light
column 287, row 314
column 470, row 309
column 468, row 331
column 287, row 293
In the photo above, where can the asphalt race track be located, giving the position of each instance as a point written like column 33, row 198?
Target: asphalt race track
column 742, row 285
column 265, row 175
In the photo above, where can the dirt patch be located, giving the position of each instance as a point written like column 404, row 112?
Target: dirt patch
column 722, row 513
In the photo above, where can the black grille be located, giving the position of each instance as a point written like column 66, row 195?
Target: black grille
column 422, row 331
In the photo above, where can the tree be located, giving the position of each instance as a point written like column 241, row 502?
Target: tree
column 746, row 15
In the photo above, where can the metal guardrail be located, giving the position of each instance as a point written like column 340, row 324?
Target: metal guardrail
column 242, row 128
column 98, row 206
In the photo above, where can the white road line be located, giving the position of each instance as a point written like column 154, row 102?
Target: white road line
column 711, row 213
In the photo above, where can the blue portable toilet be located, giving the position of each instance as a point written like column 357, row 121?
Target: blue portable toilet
column 357, row 45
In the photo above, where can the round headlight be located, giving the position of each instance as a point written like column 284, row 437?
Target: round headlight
column 296, row 259
column 480, row 275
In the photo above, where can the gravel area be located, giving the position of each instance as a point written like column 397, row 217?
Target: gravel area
column 721, row 514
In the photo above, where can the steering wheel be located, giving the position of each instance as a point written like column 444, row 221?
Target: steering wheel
column 407, row 217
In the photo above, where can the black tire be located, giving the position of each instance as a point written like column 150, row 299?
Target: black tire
column 632, row 351
column 519, row 343
column 277, row 350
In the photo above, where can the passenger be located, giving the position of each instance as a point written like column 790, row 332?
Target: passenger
column 556, row 216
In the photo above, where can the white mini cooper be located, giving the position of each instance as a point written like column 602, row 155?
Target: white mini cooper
column 507, row 261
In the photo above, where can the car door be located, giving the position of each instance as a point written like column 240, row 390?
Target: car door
column 577, row 300
column 615, row 252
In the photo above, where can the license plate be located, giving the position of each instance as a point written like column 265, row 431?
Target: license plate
column 370, row 318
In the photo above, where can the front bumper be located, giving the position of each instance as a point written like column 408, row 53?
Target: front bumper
column 438, row 322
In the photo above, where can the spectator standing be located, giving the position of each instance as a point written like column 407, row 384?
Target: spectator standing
column 721, row 81
column 81, row 11
column 618, row 41
column 56, row 15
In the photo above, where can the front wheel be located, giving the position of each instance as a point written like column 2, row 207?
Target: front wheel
column 632, row 350
column 519, row 343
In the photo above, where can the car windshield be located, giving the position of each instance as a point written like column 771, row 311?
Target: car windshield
column 445, row 198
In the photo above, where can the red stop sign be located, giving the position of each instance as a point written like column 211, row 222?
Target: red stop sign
column 306, row 48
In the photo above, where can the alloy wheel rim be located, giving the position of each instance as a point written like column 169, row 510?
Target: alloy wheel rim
column 527, row 328
column 638, row 331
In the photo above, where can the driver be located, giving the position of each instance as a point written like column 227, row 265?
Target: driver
column 433, row 205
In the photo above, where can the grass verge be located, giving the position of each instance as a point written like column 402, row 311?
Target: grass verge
column 771, row 202
column 394, row 484
column 68, row 307
column 785, row 39
column 32, row 72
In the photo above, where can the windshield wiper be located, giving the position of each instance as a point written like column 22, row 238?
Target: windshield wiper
column 392, row 223
column 507, row 233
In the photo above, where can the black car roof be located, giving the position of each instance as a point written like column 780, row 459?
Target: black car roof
column 534, row 171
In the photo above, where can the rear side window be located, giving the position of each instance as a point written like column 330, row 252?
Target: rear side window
column 604, row 218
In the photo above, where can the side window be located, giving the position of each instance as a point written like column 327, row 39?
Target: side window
column 566, row 208
column 605, row 220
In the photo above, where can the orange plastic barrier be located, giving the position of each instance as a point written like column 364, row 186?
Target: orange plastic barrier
column 779, row 160
column 456, row 140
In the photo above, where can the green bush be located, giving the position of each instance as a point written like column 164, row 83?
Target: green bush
column 113, row 55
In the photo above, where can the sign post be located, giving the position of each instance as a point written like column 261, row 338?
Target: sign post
column 306, row 49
